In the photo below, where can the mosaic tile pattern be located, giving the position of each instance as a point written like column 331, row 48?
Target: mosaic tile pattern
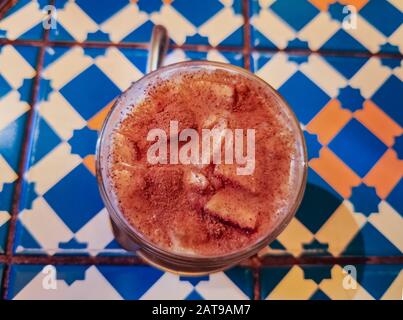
column 334, row 282
column 59, row 185
column 124, row 282
column 17, row 65
column 352, row 127
column 213, row 22
column 354, row 25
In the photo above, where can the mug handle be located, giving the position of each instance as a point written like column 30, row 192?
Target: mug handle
column 158, row 47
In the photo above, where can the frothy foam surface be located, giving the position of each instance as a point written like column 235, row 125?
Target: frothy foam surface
column 205, row 210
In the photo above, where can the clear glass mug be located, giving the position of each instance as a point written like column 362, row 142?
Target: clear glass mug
column 126, row 235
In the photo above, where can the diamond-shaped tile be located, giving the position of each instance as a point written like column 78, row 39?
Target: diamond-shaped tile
column 365, row 199
column 1, row 273
column 99, row 11
column 317, row 206
column 75, row 198
column 325, row 25
column 204, row 22
column 357, row 147
column 24, row 20
column 60, row 185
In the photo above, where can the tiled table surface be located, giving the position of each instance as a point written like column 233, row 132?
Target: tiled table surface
column 345, row 86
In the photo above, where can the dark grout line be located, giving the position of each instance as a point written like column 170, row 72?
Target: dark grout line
column 204, row 48
column 28, row 132
column 246, row 34
column 255, row 263
column 329, row 260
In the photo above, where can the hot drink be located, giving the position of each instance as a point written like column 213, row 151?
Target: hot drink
column 191, row 193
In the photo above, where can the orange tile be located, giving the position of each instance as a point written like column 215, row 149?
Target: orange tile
column 321, row 4
column 385, row 174
column 95, row 123
column 335, row 172
column 378, row 122
column 356, row 3
column 324, row 4
column 329, row 121
column 89, row 162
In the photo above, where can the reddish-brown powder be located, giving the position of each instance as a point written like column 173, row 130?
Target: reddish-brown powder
column 224, row 212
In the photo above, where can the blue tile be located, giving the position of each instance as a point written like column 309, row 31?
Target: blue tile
column 358, row 147
column 11, row 138
column 141, row 34
column 374, row 279
column 317, row 206
column 120, row 278
column 137, row 57
column 83, row 142
column 34, row 29
column 347, row 66
column 319, row 295
column 200, row 11
column 371, row 13
column 389, row 98
column 20, row 276
column 243, row 279
column 270, row 278
column 75, row 198
column 395, row 198
column 42, row 131
column 364, row 199
column 6, row 198
column 91, row 81
column 312, row 144
column 4, row 87
column 341, row 40
column 351, row 99
column 300, row 19
column 60, row 33
column 1, row 275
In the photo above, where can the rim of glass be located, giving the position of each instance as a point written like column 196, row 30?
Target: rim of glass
column 141, row 239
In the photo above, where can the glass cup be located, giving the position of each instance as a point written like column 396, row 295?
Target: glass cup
column 132, row 240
